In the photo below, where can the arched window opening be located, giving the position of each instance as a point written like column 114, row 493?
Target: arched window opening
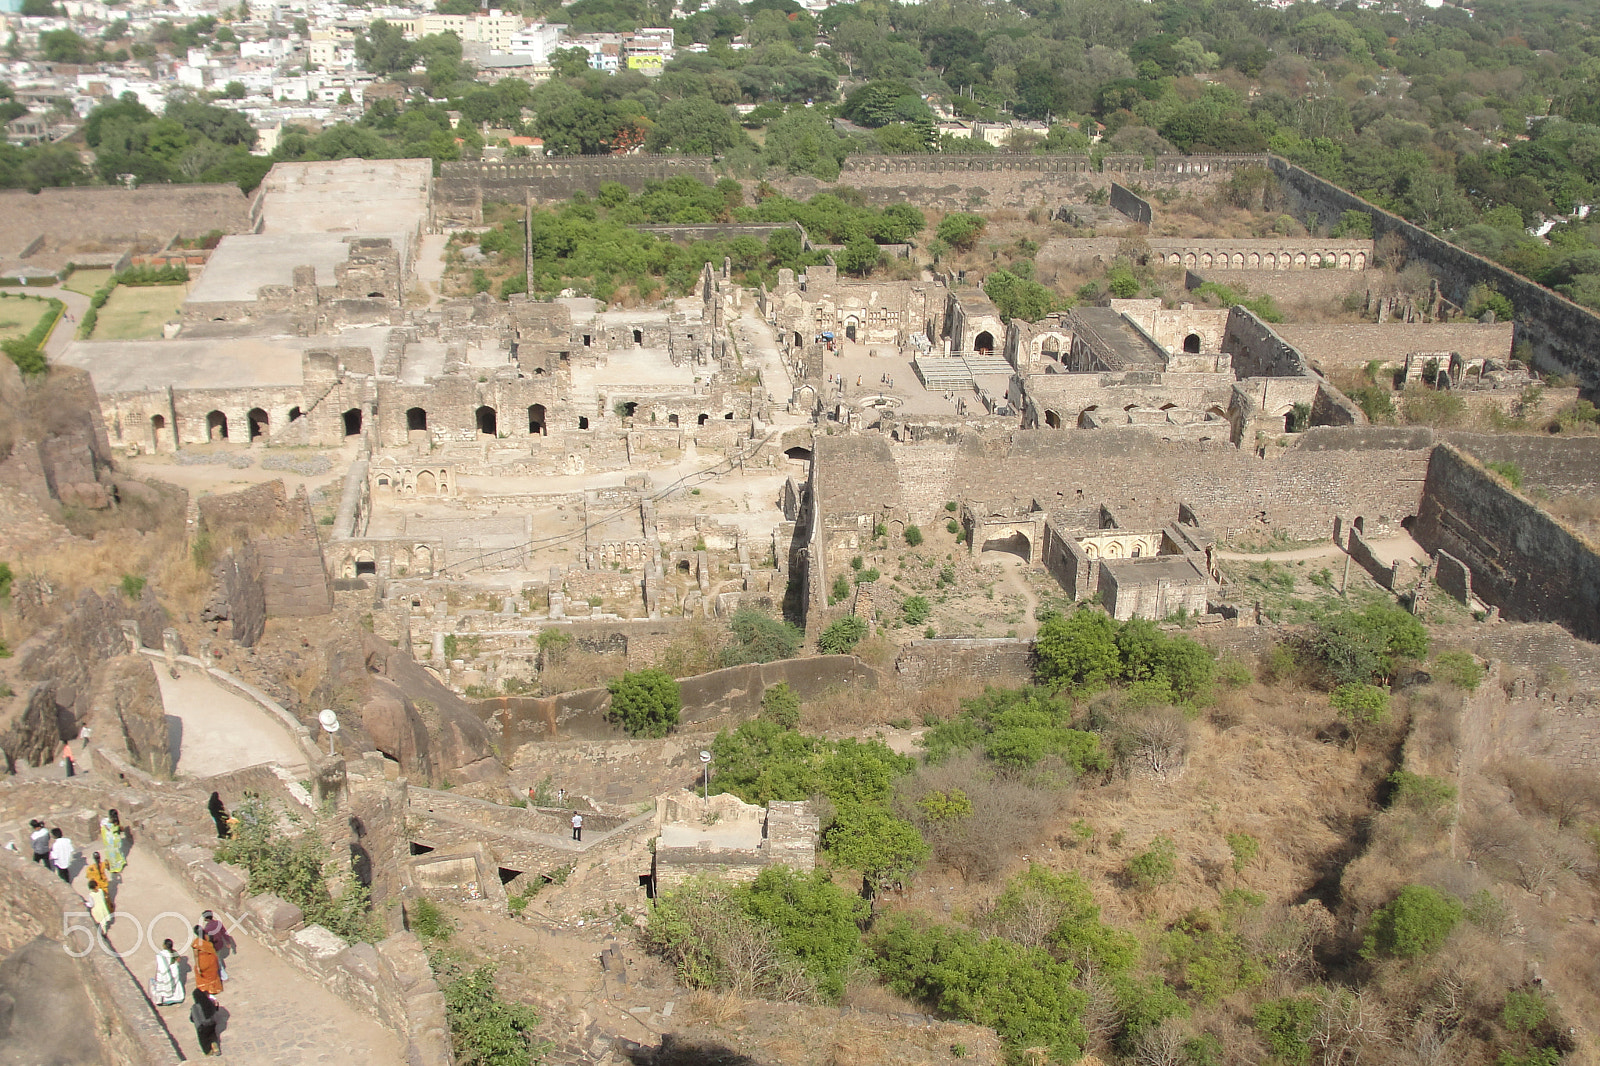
column 629, row 409
column 536, row 419
column 728, row 417
column 983, row 342
column 216, row 426
column 1191, row 343
column 672, row 419
column 583, row 423
column 485, row 419
column 638, row 336
column 374, row 295
column 295, row 414
column 352, row 422
column 258, row 421
column 1052, row 420
column 702, row 419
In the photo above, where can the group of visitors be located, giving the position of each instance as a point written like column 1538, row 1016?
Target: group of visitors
column 211, row 947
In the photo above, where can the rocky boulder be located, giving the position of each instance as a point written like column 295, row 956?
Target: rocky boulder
column 126, row 710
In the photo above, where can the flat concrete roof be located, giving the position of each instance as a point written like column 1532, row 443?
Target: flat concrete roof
column 129, row 366
column 347, row 196
column 1154, row 568
column 242, row 264
column 636, row 368
column 210, row 362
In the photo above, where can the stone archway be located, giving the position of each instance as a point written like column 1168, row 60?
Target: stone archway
column 1191, row 343
column 427, row 484
column 983, row 342
column 1012, row 542
column 486, row 421
column 216, row 426
column 352, row 422
column 259, row 422
column 536, row 420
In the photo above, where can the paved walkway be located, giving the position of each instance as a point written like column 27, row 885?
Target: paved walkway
column 220, row 730
column 276, row 1015
column 77, row 303
column 1387, row 549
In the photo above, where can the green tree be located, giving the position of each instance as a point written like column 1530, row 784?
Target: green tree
column 1079, row 649
column 1416, row 922
column 64, row 46
column 961, row 230
column 1361, row 647
column 645, row 703
column 860, row 255
column 383, row 49
column 813, row 919
column 1287, row 1025
column 697, row 126
column 887, row 850
column 1016, row 297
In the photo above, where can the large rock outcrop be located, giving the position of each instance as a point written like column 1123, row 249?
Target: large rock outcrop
column 126, row 708
column 406, row 713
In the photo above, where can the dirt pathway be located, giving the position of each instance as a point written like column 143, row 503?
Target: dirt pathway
column 277, row 1016
column 219, row 730
column 1013, row 570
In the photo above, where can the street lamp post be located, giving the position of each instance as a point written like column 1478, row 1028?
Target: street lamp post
column 705, row 767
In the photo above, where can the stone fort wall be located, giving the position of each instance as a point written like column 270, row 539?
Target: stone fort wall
column 1559, row 331
column 944, row 181
column 100, row 218
column 1522, row 560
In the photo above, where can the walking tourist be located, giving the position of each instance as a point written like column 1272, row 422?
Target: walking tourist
column 577, row 826
column 114, row 838
column 40, row 838
column 98, row 878
column 219, row 815
column 62, row 854
column 212, row 929
column 166, row 987
column 204, row 1016
column 207, row 967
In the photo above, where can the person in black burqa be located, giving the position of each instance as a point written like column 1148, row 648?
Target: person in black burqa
column 204, row 1016
column 219, row 815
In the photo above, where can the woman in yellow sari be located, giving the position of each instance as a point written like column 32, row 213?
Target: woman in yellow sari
column 99, row 881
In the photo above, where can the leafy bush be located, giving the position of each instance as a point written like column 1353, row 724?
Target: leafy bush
column 485, row 1030
column 842, row 635
column 1016, row 728
column 292, row 867
column 1416, row 922
column 1156, row 865
column 30, row 358
column 1024, row 994
column 1206, row 954
column 1419, row 792
column 1361, row 647
column 870, row 574
column 1361, row 705
column 645, row 703
column 1089, row 649
column 1375, row 402
column 1244, row 848
column 1042, row 908
column 1286, row 1026
column 170, row 274
column 1508, row 470
column 840, row 590
column 6, row 578
column 961, row 230
column 428, row 921
column 760, row 638
column 1459, row 668
column 132, row 585
column 913, row 536
column 915, row 610
column 780, row 704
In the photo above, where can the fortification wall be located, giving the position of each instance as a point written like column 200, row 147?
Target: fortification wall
column 1131, row 204
column 711, row 701
column 34, row 903
column 1348, row 345
column 1522, row 560
column 92, row 217
column 1557, row 465
column 994, row 661
column 1559, row 331
column 547, row 180
column 1289, row 287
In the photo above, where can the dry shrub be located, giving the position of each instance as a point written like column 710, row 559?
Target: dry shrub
column 864, row 992
column 1008, row 814
column 714, row 1008
column 1563, row 796
column 574, row 670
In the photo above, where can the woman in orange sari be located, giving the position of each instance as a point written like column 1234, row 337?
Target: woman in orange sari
column 207, row 967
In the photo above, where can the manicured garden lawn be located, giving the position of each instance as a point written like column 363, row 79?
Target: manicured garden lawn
column 138, row 312
column 87, row 281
